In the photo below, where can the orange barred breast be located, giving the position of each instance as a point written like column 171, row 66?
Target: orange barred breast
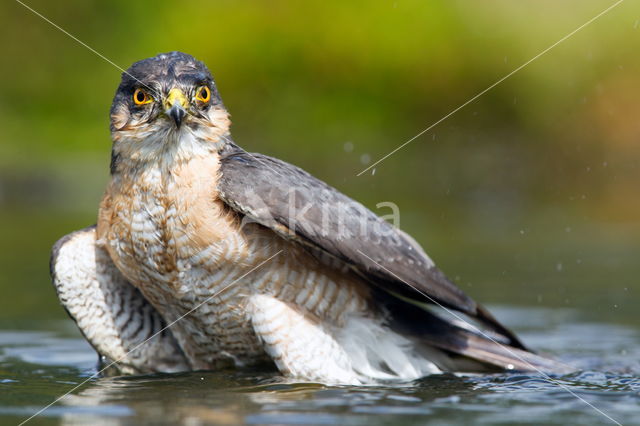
column 171, row 237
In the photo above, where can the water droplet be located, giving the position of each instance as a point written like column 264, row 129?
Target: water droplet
column 559, row 267
column 365, row 158
column 348, row 146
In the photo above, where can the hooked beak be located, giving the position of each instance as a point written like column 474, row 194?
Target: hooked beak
column 175, row 106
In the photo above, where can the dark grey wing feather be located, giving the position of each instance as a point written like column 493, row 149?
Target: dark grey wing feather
column 299, row 206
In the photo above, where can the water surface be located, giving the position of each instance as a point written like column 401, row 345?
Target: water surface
column 38, row 366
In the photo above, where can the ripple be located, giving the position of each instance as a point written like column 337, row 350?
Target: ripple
column 37, row 366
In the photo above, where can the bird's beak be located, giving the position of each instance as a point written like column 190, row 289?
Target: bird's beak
column 175, row 106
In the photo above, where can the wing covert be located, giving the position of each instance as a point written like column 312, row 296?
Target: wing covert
column 299, row 206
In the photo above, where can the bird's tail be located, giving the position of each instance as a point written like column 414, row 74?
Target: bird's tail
column 467, row 344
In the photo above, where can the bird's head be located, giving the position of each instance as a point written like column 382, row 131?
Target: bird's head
column 167, row 105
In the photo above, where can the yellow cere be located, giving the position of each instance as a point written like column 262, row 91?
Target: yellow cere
column 176, row 97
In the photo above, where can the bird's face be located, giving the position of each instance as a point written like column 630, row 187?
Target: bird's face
column 167, row 105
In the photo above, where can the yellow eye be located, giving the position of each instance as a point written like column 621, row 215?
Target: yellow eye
column 140, row 97
column 203, row 94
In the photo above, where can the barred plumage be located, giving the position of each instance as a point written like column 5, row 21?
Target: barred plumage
column 194, row 230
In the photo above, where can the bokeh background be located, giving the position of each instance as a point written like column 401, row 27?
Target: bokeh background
column 528, row 196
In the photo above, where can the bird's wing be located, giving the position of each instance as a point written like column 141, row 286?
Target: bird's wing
column 300, row 207
column 112, row 314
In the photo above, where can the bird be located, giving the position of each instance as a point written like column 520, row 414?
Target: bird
column 206, row 257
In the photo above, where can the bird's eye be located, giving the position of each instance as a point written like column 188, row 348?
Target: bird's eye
column 140, row 97
column 203, row 94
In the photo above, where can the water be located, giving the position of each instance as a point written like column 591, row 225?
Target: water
column 38, row 366
column 585, row 314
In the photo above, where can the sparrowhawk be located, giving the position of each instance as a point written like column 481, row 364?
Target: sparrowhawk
column 206, row 256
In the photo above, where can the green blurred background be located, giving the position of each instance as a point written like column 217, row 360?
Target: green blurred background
column 527, row 196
